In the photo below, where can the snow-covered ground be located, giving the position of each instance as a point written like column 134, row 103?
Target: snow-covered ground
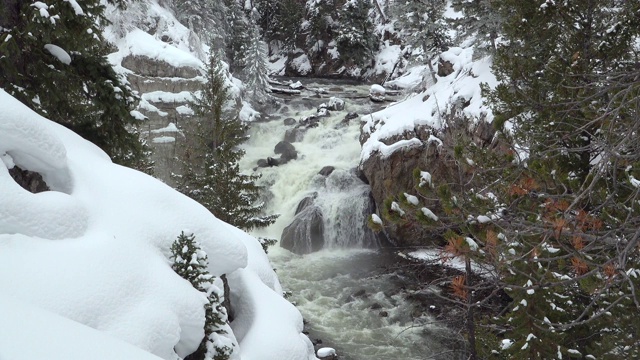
column 430, row 107
column 95, row 250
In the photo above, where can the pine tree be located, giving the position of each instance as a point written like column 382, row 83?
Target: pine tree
column 239, row 39
column 482, row 20
column 212, row 174
column 191, row 263
column 354, row 37
column 53, row 59
column 422, row 23
column 569, row 210
column 256, row 72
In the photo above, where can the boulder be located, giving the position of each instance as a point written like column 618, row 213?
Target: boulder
column 347, row 119
column 445, row 68
column 290, row 121
column 286, row 150
column 295, row 134
column 326, row 171
column 263, row 163
column 305, row 234
column 335, row 104
column 377, row 93
column 306, row 202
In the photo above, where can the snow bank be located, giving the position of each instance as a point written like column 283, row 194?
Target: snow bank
column 109, row 266
column 428, row 108
column 27, row 333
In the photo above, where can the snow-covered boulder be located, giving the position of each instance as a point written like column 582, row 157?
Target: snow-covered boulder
column 95, row 249
column 377, row 93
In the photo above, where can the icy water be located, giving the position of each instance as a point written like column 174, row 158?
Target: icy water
column 346, row 296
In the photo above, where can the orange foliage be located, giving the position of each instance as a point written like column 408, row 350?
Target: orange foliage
column 458, row 287
column 558, row 225
column 523, row 187
column 610, row 271
column 577, row 242
column 579, row 266
column 456, row 246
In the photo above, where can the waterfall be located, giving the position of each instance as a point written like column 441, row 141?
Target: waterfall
column 322, row 202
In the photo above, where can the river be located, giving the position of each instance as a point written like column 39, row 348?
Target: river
column 349, row 296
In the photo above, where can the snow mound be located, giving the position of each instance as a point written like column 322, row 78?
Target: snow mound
column 460, row 90
column 57, row 338
column 109, row 266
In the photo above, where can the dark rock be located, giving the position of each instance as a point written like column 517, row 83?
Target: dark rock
column 327, row 170
column 383, row 314
column 295, row 134
column 306, row 202
column 166, row 38
column 29, row 180
column 273, row 162
column 290, row 121
column 359, row 293
column 263, row 163
column 305, row 234
column 375, row 306
column 286, row 150
column 350, row 116
column 445, row 68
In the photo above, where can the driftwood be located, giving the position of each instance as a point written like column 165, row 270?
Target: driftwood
column 284, row 91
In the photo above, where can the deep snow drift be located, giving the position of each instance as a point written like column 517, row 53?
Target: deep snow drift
column 95, row 250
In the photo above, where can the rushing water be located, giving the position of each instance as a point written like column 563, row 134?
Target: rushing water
column 345, row 294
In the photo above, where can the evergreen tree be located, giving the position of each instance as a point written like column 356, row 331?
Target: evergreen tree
column 212, row 174
column 256, row 72
column 206, row 18
column 191, row 263
column 53, row 59
column 422, row 23
column 354, row 37
column 570, row 210
column 239, row 39
column 280, row 20
column 482, row 20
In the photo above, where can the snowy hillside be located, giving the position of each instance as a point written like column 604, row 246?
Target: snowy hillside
column 95, row 250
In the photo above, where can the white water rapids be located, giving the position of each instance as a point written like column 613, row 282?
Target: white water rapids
column 346, row 298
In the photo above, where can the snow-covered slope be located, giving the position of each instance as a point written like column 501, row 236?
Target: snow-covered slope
column 459, row 91
column 95, row 249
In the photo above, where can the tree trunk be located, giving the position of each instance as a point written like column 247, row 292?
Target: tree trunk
column 471, row 327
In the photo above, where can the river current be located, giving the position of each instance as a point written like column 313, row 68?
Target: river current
column 347, row 295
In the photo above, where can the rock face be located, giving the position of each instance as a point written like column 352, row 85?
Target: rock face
column 165, row 90
column 393, row 175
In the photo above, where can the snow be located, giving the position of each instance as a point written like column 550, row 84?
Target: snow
column 425, row 179
column 411, row 199
column 96, row 250
column 168, row 97
column 437, row 256
column 139, row 43
column 376, row 219
column 59, row 53
column 301, row 64
column 28, row 332
column 386, row 59
column 76, row 7
column 164, row 139
column 184, row 110
column 395, row 207
column 326, row 351
column 377, row 89
column 171, row 128
column 428, row 213
column 430, row 106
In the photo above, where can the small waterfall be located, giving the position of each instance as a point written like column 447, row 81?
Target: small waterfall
column 322, row 202
column 347, row 205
